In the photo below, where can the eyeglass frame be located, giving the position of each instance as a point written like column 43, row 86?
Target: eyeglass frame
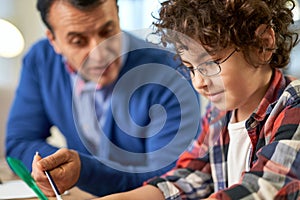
column 186, row 71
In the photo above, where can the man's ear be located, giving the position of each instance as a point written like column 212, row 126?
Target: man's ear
column 266, row 34
column 51, row 38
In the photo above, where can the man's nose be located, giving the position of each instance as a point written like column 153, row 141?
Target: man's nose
column 98, row 48
column 95, row 41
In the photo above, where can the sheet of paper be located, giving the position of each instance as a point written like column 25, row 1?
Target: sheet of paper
column 16, row 189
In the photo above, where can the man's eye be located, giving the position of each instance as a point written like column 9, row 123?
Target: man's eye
column 107, row 32
column 77, row 41
column 110, row 30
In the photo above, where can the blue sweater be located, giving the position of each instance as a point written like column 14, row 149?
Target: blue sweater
column 44, row 99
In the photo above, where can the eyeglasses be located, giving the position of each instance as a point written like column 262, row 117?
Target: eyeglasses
column 207, row 69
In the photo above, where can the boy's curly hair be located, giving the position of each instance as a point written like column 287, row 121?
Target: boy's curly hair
column 218, row 24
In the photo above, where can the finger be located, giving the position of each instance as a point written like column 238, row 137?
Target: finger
column 42, row 181
column 36, row 158
column 37, row 172
column 58, row 177
column 46, row 188
column 40, row 177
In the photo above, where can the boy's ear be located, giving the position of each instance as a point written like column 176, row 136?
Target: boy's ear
column 267, row 35
column 51, row 38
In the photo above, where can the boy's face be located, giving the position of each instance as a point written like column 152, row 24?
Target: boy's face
column 77, row 33
column 239, row 85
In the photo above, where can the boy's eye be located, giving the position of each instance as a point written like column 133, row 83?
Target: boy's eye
column 209, row 64
column 180, row 50
column 188, row 65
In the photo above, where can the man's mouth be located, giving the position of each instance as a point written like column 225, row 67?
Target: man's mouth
column 96, row 70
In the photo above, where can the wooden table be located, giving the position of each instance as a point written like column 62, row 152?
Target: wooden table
column 74, row 194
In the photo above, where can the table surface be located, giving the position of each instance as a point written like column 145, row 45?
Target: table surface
column 75, row 193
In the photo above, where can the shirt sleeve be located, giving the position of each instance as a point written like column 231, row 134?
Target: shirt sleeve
column 191, row 178
column 276, row 172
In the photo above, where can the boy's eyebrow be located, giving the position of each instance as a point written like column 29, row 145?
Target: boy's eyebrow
column 201, row 56
column 204, row 54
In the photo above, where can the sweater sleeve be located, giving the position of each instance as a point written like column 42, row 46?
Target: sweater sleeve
column 28, row 125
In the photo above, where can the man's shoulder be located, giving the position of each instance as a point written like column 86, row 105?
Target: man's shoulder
column 144, row 51
column 42, row 56
column 42, row 47
column 143, row 43
column 42, row 43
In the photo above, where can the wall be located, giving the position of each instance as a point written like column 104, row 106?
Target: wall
column 22, row 13
column 294, row 66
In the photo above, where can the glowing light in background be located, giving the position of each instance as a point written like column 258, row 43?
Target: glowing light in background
column 296, row 11
column 11, row 40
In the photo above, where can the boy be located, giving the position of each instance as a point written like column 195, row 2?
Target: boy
column 249, row 144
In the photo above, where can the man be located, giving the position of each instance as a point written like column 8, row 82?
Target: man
column 115, row 98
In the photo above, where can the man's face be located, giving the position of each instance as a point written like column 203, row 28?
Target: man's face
column 76, row 33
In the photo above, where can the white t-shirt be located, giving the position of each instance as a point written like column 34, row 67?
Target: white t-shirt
column 238, row 152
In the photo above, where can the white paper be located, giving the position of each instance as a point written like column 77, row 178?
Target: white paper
column 16, row 189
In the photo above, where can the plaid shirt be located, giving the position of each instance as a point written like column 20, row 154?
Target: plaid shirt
column 274, row 172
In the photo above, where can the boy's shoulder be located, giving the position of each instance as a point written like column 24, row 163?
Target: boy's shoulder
column 291, row 93
column 290, row 97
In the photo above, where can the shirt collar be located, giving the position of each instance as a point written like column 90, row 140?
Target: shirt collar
column 277, row 83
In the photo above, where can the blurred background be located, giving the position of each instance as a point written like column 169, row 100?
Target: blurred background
column 134, row 15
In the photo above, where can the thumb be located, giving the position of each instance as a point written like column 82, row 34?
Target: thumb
column 53, row 161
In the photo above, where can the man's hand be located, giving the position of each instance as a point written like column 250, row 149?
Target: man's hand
column 64, row 167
